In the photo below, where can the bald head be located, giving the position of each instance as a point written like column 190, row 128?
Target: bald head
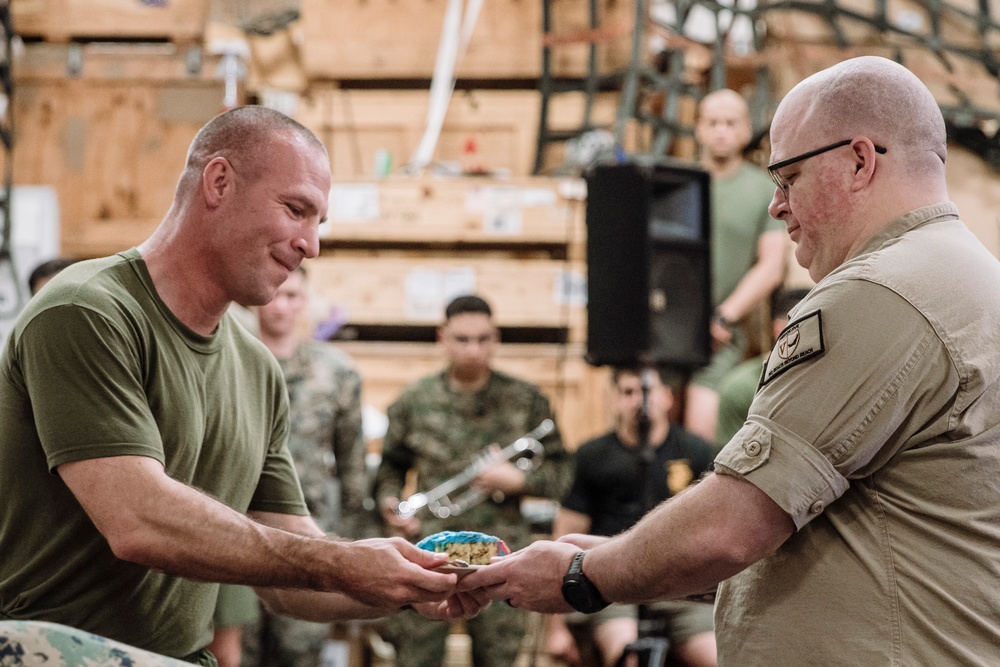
column 723, row 131
column 854, row 147
column 242, row 136
column 724, row 99
column 875, row 97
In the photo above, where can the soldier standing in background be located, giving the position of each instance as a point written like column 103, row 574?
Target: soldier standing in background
column 437, row 427
column 324, row 390
column 748, row 247
column 327, row 446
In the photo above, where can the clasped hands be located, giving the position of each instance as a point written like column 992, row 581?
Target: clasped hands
column 529, row 579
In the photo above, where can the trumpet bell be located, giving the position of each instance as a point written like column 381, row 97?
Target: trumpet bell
column 526, row 453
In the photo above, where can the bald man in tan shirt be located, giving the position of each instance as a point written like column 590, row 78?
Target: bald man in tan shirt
column 855, row 519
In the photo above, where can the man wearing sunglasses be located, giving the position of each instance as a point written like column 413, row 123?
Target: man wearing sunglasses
column 855, row 518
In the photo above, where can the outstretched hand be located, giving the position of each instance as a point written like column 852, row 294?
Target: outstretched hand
column 529, row 579
column 392, row 573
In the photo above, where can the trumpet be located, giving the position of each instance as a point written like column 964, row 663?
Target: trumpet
column 526, row 453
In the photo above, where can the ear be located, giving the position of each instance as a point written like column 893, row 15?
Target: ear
column 864, row 163
column 216, row 180
column 440, row 334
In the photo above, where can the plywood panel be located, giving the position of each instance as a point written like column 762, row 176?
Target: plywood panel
column 113, row 150
column 451, row 210
column 63, row 20
column 373, row 39
column 355, row 125
column 412, row 288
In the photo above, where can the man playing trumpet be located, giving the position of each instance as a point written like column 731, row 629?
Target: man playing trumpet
column 438, row 427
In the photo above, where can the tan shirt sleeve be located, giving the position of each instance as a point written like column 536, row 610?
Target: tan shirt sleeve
column 856, row 376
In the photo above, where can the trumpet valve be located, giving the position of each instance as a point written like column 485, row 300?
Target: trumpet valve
column 409, row 507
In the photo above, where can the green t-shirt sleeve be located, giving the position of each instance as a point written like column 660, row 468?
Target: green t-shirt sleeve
column 278, row 489
column 84, row 376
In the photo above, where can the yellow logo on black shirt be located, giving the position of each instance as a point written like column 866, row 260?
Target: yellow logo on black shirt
column 679, row 475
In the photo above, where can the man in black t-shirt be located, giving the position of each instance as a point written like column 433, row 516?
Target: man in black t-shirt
column 609, row 495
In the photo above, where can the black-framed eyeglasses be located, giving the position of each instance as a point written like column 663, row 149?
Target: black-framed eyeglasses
column 782, row 183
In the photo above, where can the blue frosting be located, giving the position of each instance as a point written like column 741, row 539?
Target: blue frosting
column 437, row 541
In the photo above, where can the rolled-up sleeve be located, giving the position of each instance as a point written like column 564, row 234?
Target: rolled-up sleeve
column 872, row 377
column 771, row 457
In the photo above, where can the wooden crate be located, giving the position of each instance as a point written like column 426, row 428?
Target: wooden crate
column 390, row 39
column 952, row 79
column 65, row 20
column 949, row 77
column 956, row 28
column 412, row 288
column 578, row 391
column 426, row 209
column 111, row 142
column 136, row 62
column 355, row 125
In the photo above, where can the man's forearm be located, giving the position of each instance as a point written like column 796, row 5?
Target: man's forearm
column 200, row 538
column 318, row 607
column 687, row 546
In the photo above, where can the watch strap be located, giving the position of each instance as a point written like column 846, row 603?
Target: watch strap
column 576, row 565
column 575, row 576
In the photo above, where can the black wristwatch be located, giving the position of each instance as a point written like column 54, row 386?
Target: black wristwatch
column 721, row 320
column 579, row 591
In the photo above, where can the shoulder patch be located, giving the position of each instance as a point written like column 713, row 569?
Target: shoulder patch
column 799, row 341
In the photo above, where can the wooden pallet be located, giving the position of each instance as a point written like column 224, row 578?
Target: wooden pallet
column 112, row 141
column 356, row 125
column 536, row 212
column 388, row 39
column 67, row 20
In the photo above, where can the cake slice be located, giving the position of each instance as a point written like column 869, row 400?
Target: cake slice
column 465, row 547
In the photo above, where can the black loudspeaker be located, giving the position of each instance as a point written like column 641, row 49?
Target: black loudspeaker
column 649, row 280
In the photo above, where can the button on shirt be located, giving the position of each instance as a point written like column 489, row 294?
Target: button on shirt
column 877, row 429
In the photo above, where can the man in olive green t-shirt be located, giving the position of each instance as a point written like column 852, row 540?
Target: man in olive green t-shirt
column 144, row 453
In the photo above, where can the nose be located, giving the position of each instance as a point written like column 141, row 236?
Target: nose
column 308, row 243
column 779, row 204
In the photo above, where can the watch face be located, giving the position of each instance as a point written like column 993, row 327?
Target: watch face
column 578, row 596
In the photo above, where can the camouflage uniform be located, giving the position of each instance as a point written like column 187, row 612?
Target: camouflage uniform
column 439, row 432
column 29, row 643
column 325, row 438
column 327, row 445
